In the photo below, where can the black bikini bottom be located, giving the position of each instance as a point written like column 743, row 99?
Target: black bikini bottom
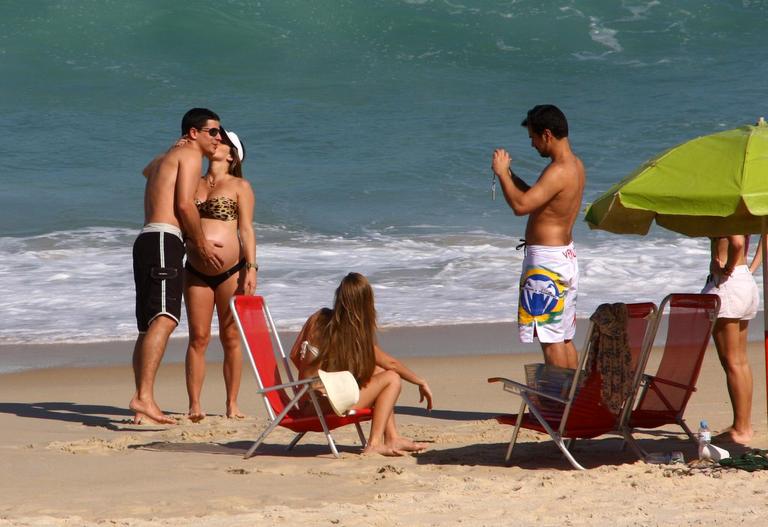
column 214, row 281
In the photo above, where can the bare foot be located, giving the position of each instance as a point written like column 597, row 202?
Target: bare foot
column 196, row 417
column 407, row 445
column 731, row 435
column 141, row 419
column 150, row 411
column 195, row 413
column 382, row 450
column 233, row 412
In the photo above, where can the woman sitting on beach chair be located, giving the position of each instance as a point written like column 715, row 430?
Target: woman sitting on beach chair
column 344, row 338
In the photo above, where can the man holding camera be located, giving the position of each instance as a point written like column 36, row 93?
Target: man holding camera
column 549, row 281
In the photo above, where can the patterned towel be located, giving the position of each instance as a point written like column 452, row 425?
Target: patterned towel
column 612, row 355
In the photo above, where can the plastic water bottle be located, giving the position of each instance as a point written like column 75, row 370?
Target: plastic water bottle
column 705, row 436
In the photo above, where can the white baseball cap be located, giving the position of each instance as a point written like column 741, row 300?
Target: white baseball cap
column 231, row 139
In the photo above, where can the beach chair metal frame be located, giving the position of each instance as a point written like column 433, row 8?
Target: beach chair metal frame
column 643, row 413
column 281, row 399
column 561, row 427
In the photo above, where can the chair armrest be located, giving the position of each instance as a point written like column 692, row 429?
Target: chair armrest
column 300, row 382
column 651, row 378
column 518, row 388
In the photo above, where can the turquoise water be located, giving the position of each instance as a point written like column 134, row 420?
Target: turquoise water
column 369, row 127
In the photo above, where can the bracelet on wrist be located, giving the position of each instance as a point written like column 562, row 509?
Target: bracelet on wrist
column 249, row 266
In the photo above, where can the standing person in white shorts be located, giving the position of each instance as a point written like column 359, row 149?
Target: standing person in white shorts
column 548, row 288
column 731, row 279
column 549, row 281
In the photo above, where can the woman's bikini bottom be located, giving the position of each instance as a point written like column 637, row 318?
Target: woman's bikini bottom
column 214, row 281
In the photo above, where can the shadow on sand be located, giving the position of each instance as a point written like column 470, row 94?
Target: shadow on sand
column 538, row 455
column 85, row 414
column 239, row 448
column 448, row 415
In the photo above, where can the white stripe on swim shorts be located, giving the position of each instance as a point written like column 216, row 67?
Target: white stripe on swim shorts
column 162, row 265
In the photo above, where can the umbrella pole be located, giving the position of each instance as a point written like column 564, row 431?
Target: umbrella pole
column 764, row 249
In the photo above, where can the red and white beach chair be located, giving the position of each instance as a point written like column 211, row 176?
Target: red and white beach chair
column 664, row 396
column 580, row 412
column 263, row 348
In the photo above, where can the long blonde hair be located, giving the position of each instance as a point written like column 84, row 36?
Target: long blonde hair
column 348, row 337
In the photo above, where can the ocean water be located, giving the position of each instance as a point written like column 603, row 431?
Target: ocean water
column 369, row 127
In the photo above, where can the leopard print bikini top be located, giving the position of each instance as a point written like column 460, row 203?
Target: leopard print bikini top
column 218, row 208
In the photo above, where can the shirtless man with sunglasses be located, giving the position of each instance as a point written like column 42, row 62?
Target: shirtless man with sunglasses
column 158, row 251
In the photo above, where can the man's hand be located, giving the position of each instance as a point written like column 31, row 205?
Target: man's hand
column 500, row 163
column 209, row 255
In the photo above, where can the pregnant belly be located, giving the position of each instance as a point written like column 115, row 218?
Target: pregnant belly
column 226, row 245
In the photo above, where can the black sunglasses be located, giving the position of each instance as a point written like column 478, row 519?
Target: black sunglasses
column 213, row 132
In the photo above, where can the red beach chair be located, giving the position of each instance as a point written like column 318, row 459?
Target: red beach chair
column 664, row 396
column 580, row 413
column 259, row 336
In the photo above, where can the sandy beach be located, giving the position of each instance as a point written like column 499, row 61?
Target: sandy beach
column 70, row 456
column 368, row 131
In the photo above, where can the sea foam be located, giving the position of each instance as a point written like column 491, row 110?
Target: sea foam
column 77, row 286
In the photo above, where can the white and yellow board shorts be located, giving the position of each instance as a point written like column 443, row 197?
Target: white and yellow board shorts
column 548, row 289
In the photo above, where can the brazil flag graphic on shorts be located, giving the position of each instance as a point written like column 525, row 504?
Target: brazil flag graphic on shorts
column 542, row 297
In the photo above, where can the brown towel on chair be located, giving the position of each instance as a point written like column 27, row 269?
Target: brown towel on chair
column 612, row 354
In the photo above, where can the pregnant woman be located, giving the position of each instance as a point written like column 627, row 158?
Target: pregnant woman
column 225, row 202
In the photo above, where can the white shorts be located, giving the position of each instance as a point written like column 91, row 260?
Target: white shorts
column 738, row 294
column 548, row 290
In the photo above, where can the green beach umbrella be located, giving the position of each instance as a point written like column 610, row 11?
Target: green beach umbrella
column 709, row 186
column 713, row 185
